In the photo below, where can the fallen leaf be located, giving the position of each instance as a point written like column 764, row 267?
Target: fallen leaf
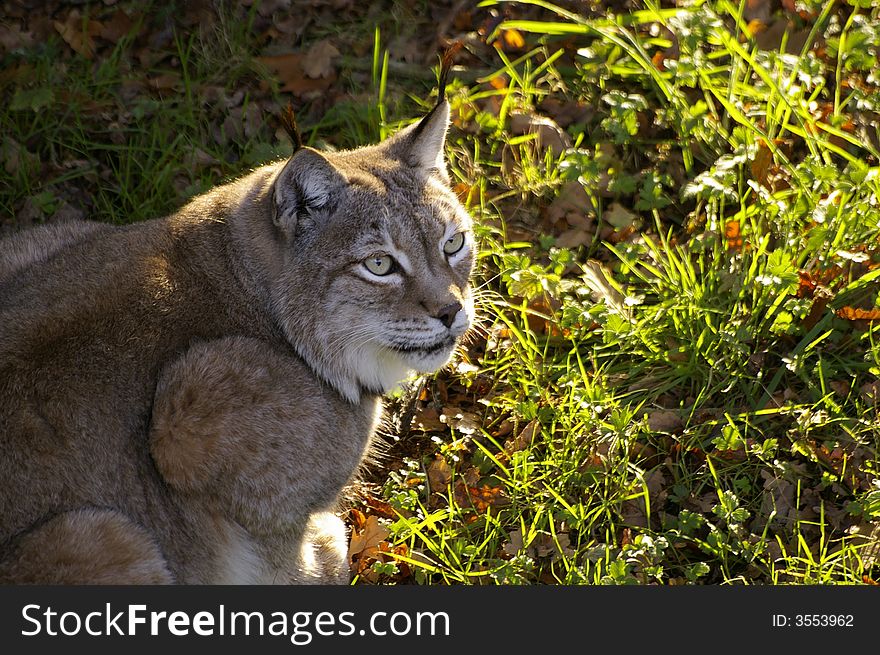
column 198, row 158
column 318, row 61
column 12, row 38
column 78, row 34
column 840, row 387
column 427, row 419
column 380, row 507
column 363, row 542
column 480, row 498
column 504, row 428
column 439, row 475
column 781, row 30
column 14, row 156
column 272, row 7
column 870, row 391
column 542, row 545
column 472, row 476
column 464, row 422
column 567, row 111
column 549, row 136
column 760, row 165
column 665, row 421
column 498, row 82
column 571, row 205
column 165, row 82
column 515, row 543
column 858, row 314
column 755, row 27
column 575, row 237
column 463, row 190
column 619, row 216
column 117, row 27
column 778, row 503
column 357, row 519
column 525, row 438
column 288, row 68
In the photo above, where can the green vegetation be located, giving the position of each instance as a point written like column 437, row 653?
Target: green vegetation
column 676, row 375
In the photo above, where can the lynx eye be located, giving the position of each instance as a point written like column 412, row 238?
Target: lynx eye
column 380, row 264
column 454, row 243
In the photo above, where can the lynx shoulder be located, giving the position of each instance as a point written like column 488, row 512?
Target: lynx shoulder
column 183, row 400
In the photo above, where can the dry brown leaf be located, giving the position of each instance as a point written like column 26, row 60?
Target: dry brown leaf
column 428, row 420
column 866, row 537
column 318, row 61
column 198, row 158
column 480, row 498
column 504, row 428
column 762, row 165
column 439, row 475
column 165, row 82
column 870, row 391
column 858, row 314
column 575, row 237
column 288, row 68
column 733, row 235
column 463, row 422
column 364, row 542
column 79, row 35
column 12, row 38
column 619, row 216
column 525, row 438
column 665, row 421
column 380, row 507
column 515, row 544
column 840, row 387
column 573, row 205
column 118, row 26
column 542, row 317
column 273, row 7
column 14, row 156
column 567, row 112
column 778, row 501
column 549, row 135
column 779, row 29
column 472, row 476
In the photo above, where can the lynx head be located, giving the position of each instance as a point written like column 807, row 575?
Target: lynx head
column 377, row 252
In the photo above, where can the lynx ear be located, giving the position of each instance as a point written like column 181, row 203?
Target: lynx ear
column 305, row 185
column 421, row 145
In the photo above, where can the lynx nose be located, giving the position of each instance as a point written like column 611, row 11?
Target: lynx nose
column 447, row 314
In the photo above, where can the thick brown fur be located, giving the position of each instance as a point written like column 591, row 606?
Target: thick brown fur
column 183, row 400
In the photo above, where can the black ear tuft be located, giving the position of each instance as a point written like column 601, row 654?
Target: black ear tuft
column 288, row 121
column 445, row 67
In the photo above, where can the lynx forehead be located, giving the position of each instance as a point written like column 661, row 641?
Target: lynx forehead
column 183, row 400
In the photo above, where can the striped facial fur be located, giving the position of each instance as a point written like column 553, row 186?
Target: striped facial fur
column 377, row 256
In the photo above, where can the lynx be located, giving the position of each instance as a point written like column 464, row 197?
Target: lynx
column 182, row 400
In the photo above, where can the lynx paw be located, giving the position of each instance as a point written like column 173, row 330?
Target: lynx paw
column 325, row 550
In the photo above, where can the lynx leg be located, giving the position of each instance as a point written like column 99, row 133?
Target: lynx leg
column 88, row 546
column 325, row 550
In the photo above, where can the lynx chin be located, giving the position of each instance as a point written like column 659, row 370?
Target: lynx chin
column 182, row 400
